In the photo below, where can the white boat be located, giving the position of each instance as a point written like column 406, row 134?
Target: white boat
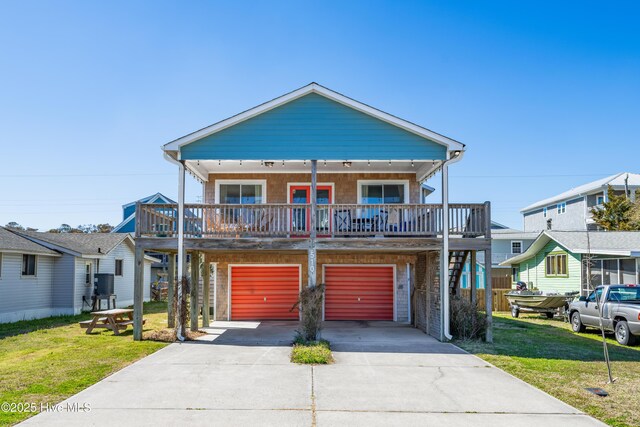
column 539, row 302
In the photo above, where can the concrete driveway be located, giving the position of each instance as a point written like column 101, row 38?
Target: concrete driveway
column 385, row 374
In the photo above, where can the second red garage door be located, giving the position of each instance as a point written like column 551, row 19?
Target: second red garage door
column 358, row 292
column 264, row 292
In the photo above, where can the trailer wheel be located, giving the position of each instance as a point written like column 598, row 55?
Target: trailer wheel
column 515, row 312
column 549, row 315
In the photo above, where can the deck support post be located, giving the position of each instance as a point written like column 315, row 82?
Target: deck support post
column 311, row 251
column 195, row 284
column 206, row 284
column 171, row 283
column 473, row 278
column 444, row 257
column 138, row 293
column 488, row 287
column 182, row 256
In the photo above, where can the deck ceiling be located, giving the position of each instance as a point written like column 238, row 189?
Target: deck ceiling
column 202, row 168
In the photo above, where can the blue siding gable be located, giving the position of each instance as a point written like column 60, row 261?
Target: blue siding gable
column 313, row 127
column 126, row 212
column 129, row 226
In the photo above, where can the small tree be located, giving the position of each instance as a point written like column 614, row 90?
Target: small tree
column 615, row 213
column 310, row 306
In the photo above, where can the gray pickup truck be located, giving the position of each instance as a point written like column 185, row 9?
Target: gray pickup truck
column 620, row 311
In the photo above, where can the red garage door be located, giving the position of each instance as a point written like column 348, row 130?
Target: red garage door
column 358, row 292
column 264, row 292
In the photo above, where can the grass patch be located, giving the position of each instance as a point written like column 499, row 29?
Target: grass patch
column 48, row 360
column 311, row 352
column 547, row 354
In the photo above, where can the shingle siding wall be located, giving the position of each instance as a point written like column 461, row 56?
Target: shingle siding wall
column 427, row 295
column 345, row 184
column 23, row 298
column 223, row 260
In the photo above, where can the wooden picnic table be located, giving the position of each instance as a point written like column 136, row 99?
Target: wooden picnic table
column 113, row 319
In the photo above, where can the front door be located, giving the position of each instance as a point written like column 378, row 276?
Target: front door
column 300, row 221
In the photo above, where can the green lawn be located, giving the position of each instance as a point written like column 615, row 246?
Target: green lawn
column 48, row 360
column 548, row 355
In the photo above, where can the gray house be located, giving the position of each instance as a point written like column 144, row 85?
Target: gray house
column 49, row 274
column 571, row 210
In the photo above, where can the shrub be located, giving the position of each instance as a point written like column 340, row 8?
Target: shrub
column 467, row 322
column 311, row 352
column 310, row 305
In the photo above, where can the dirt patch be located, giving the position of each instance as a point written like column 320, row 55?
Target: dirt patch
column 169, row 335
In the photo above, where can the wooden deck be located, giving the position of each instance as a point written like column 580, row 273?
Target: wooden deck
column 337, row 226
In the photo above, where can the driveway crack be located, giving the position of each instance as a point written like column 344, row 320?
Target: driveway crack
column 313, row 399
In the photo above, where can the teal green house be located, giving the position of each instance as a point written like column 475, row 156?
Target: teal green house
column 567, row 261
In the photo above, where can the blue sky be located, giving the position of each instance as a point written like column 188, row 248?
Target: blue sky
column 546, row 95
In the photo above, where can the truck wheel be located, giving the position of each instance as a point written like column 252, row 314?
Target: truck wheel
column 576, row 322
column 623, row 336
column 515, row 312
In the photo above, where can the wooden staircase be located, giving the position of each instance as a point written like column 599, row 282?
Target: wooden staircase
column 457, row 260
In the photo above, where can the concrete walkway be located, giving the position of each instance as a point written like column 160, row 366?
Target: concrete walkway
column 385, row 374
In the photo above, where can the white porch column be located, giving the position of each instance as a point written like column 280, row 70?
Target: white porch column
column 182, row 257
column 311, row 252
column 444, row 255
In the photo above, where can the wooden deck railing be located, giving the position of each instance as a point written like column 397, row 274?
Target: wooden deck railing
column 293, row 220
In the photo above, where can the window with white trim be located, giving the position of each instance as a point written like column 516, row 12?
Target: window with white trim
column 119, row 267
column 241, row 193
column 381, row 192
column 562, row 208
column 29, row 265
column 516, row 246
column 599, row 199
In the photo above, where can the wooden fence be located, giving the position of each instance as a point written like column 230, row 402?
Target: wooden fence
column 503, row 282
column 500, row 302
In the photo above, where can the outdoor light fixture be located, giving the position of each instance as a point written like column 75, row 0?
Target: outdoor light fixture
column 368, row 162
column 456, row 153
column 346, row 164
column 325, row 163
column 389, row 162
column 283, row 163
column 261, row 162
column 411, row 163
column 218, row 162
column 240, row 162
column 305, row 163
column 268, row 164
